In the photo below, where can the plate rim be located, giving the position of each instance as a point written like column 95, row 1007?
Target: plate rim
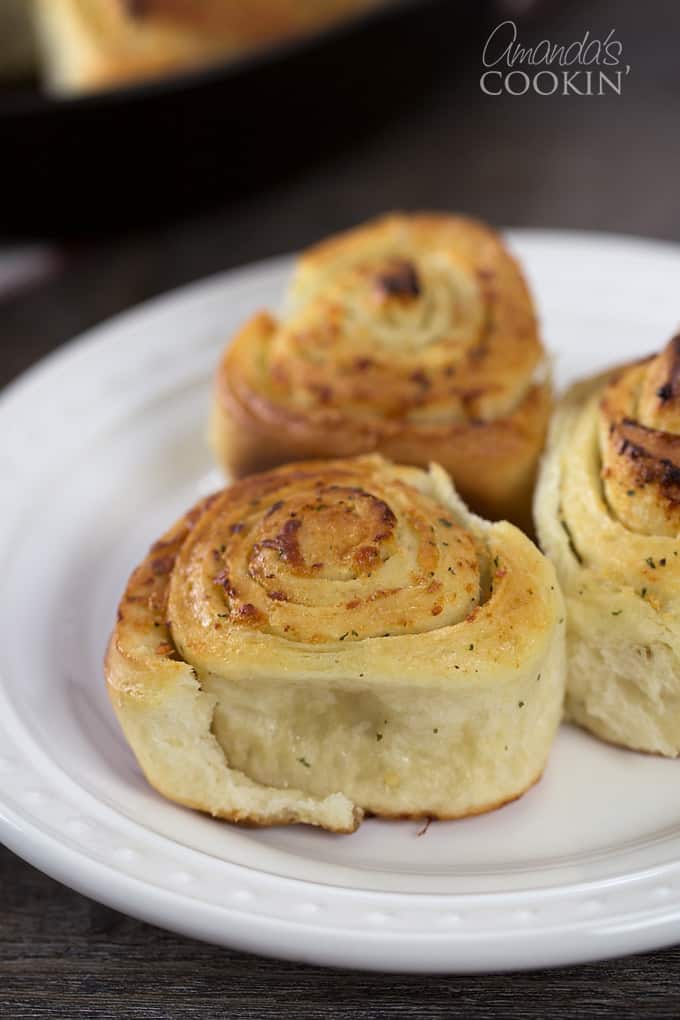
column 279, row 261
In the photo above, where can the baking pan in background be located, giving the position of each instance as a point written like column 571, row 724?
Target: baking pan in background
column 113, row 160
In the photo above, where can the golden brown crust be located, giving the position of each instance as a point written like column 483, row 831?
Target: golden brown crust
column 481, row 809
column 336, row 637
column 316, row 550
column 414, row 336
column 640, row 443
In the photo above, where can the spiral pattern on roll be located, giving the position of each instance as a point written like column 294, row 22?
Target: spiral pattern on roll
column 339, row 555
column 415, row 336
column 357, row 634
column 640, row 443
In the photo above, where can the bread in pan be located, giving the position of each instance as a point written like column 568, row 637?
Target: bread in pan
column 95, row 44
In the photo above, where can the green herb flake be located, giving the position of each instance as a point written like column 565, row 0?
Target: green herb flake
column 471, row 648
column 378, row 737
column 650, row 563
column 520, row 704
column 495, row 561
column 616, row 612
column 631, row 492
column 343, row 636
column 303, row 761
column 355, row 633
column 447, row 524
column 570, row 538
column 436, row 729
column 643, row 592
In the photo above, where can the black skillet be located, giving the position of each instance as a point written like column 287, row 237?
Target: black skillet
column 115, row 160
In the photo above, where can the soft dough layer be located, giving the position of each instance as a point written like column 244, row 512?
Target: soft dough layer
column 337, row 637
column 607, row 515
column 414, row 336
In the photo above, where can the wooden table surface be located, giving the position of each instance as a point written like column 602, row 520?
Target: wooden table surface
column 589, row 163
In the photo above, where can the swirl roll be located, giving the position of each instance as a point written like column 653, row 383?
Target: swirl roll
column 608, row 514
column 414, row 336
column 333, row 638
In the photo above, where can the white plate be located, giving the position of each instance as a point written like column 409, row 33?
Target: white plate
column 103, row 446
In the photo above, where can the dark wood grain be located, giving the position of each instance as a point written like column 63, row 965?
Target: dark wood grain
column 64, row 956
column 607, row 163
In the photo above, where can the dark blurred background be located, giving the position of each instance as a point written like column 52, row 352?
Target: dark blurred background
column 111, row 200
column 385, row 115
